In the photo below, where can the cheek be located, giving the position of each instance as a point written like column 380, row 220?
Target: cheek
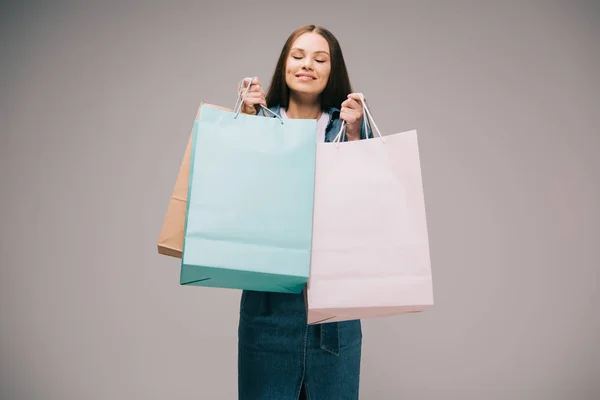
column 324, row 72
column 291, row 66
column 289, row 75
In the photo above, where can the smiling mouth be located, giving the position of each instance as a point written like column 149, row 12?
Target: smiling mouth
column 305, row 77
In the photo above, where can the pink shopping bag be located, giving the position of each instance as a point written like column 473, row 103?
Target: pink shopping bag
column 370, row 247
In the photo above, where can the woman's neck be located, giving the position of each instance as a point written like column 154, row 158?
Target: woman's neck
column 302, row 109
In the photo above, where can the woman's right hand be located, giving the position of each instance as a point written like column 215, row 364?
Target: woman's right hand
column 254, row 97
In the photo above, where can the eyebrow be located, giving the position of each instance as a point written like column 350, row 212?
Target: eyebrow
column 319, row 51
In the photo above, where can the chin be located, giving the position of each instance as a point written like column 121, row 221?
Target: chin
column 308, row 90
column 305, row 92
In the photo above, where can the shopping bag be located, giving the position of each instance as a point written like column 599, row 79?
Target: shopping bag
column 250, row 202
column 170, row 240
column 370, row 247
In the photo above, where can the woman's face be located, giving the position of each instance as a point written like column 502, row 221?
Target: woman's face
column 308, row 65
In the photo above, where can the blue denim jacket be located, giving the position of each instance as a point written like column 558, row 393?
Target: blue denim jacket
column 333, row 126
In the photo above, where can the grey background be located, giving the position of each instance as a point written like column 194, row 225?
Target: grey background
column 97, row 102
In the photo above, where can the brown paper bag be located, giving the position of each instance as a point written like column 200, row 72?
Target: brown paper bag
column 170, row 240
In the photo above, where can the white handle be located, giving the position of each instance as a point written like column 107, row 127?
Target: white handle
column 240, row 101
column 367, row 120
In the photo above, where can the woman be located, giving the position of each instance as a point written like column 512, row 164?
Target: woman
column 280, row 356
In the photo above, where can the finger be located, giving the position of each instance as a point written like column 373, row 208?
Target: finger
column 353, row 104
column 256, row 96
column 249, row 109
column 253, row 101
column 251, row 93
column 244, row 86
column 255, row 88
column 356, row 97
column 255, row 81
column 262, row 101
column 348, row 103
column 349, row 115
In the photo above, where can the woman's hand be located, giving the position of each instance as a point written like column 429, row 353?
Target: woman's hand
column 352, row 113
column 254, row 97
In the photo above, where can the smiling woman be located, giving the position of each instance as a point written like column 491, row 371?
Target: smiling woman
column 280, row 356
column 307, row 62
column 311, row 78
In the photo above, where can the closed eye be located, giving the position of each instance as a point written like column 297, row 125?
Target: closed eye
column 300, row 58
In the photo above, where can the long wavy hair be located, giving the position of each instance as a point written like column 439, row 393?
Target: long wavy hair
column 338, row 85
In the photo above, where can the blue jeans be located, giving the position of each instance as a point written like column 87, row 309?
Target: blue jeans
column 279, row 354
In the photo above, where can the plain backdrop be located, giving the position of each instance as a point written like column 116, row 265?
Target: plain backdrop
column 96, row 105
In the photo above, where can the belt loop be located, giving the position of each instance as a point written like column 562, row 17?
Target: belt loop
column 330, row 338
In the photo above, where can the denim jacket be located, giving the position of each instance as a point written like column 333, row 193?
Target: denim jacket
column 333, row 126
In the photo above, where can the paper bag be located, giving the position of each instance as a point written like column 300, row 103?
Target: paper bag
column 370, row 248
column 170, row 240
column 249, row 220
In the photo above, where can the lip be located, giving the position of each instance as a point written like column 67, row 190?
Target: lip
column 306, row 76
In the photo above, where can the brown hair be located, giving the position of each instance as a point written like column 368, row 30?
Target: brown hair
column 338, row 85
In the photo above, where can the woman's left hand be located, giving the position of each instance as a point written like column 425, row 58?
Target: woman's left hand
column 352, row 113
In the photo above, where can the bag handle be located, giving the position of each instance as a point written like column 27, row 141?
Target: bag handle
column 240, row 101
column 367, row 120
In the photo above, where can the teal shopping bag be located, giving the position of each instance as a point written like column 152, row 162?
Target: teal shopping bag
column 250, row 202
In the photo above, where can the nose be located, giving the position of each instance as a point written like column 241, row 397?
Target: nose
column 307, row 64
